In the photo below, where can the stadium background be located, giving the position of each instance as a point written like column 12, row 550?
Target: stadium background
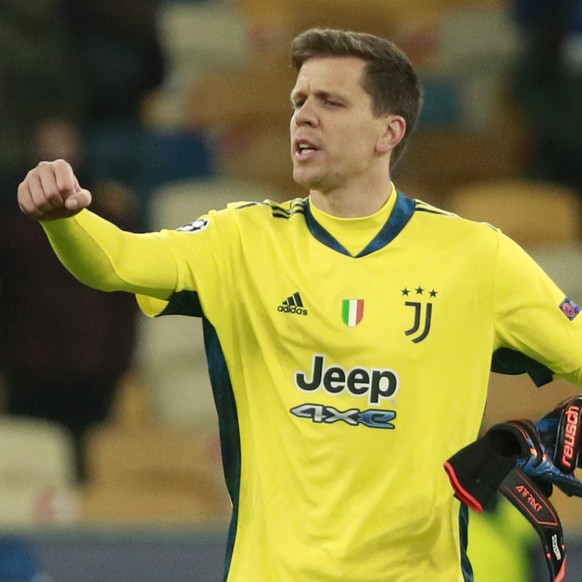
column 154, row 506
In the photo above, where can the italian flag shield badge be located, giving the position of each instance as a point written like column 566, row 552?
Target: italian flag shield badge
column 352, row 311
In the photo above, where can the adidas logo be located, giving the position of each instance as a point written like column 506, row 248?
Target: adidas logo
column 293, row 304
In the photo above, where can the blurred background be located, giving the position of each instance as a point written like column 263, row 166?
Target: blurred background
column 109, row 458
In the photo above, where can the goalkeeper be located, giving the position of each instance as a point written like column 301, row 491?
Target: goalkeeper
column 336, row 417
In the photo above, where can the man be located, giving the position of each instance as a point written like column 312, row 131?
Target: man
column 349, row 334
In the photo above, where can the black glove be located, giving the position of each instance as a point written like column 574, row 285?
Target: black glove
column 548, row 451
column 523, row 460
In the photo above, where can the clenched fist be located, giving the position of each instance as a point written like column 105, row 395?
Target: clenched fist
column 52, row 191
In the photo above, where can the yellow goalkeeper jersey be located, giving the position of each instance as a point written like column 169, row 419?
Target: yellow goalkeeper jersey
column 343, row 380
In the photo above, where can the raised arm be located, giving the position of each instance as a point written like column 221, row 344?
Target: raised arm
column 94, row 250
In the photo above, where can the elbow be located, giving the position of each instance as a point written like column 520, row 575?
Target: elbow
column 100, row 281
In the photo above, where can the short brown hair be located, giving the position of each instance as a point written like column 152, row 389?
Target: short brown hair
column 389, row 78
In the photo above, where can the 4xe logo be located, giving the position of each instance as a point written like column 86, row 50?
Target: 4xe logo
column 319, row 413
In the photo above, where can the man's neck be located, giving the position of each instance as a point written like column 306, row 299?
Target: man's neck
column 347, row 204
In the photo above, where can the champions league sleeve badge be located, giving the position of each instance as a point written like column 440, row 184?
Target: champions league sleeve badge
column 196, row 226
column 569, row 308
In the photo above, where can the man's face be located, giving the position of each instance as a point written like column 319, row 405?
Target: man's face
column 333, row 130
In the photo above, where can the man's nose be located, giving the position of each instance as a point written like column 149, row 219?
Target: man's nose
column 306, row 115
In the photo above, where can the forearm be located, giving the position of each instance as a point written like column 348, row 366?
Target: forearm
column 105, row 257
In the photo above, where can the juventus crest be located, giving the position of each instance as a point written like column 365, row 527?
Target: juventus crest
column 421, row 312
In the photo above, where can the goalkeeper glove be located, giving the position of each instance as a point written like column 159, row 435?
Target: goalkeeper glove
column 547, row 451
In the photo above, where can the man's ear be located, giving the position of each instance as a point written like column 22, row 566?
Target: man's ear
column 394, row 132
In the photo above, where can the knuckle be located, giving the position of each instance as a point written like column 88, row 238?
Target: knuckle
column 61, row 164
column 52, row 196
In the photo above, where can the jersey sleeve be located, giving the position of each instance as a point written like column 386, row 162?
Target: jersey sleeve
column 533, row 317
column 103, row 256
column 207, row 255
column 160, row 267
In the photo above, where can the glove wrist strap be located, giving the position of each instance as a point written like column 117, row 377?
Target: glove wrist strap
column 537, row 509
column 478, row 471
